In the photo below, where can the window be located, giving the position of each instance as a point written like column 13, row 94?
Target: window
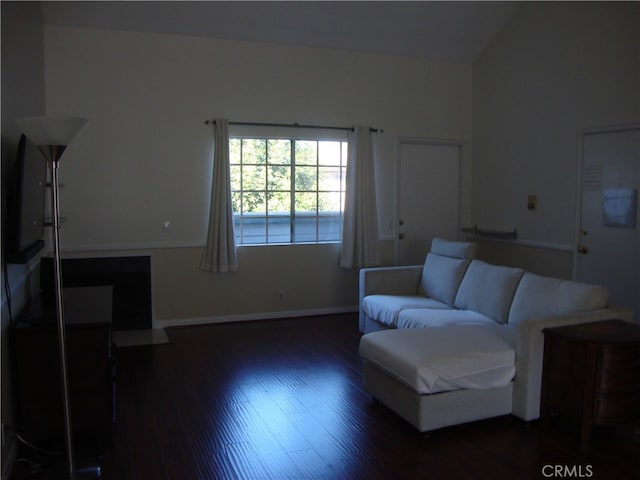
column 287, row 190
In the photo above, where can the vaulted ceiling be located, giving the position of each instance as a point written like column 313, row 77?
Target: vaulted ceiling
column 437, row 30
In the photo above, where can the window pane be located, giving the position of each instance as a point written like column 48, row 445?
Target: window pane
column 234, row 150
column 330, row 202
column 279, row 178
column 237, row 225
column 306, row 203
column 329, row 153
column 306, row 178
column 279, row 152
column 254, row 150
column 253, row 229
column 345, row 150
column 254, row 240
column 253, row 177
column 236, row 175
column 329, row 228
column 329, row 179
column 254, row 202
column 236, row 200
column 306, row 152
column 305, row 228
column 279, row 229
column 279, row 202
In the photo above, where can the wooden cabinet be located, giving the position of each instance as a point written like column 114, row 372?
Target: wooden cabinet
column 36, row 361
column 592, row 373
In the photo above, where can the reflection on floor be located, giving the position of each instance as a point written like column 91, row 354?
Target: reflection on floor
column 134, row 338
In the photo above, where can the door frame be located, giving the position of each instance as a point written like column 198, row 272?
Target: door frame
column 464, row 182
column 582, row 133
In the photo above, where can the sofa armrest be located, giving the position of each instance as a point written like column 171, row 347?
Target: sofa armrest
column 527, row 385
column 403, row 280
column 390, row 280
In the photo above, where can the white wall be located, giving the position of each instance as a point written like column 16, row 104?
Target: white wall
column 145, row 156
column 556, row 68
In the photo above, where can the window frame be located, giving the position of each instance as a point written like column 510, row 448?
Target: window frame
column 294, row 217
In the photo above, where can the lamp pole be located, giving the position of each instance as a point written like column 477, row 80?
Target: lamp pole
column 53, row 154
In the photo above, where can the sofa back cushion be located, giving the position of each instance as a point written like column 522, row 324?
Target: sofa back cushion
column 488, row 289
column 538, row 296
column 448, row 248
column 441, row 277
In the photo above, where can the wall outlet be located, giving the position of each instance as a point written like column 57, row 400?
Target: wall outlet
column 281, row 295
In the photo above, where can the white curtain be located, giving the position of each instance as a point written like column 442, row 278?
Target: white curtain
column 220, row 251
column 360, row 246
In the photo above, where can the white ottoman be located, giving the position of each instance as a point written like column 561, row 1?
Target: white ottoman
column 436, row 377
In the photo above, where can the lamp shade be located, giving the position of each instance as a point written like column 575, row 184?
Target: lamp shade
column 43, row 131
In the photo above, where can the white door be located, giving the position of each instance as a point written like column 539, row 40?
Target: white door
column 428, row 200
column 608, row 235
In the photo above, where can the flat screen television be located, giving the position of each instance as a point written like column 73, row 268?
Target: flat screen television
column 25, row 204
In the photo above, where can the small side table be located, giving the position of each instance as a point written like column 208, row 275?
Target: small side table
column 591, row 373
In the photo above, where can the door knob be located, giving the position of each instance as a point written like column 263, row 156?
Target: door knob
column 401, row 222
column 401, row 236
column 582, row 249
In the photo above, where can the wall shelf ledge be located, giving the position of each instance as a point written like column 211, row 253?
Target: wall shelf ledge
column 484, row 232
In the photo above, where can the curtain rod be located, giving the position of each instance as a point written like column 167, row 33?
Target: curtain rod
column 291, row 125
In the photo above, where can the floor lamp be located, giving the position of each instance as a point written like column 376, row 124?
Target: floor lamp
column 52, row 135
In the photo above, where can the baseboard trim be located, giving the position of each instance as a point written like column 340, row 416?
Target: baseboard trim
column 244, row 317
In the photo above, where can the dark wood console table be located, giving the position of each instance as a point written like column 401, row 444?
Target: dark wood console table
column 592, row 373
column 36, row 361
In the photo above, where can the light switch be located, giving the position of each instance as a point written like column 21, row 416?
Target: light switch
column 532, row 202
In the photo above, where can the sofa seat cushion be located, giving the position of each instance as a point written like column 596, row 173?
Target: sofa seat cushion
column 431, row 360
column 488, row 289
column 419, row 318
column 538, row 297
column 385, row 308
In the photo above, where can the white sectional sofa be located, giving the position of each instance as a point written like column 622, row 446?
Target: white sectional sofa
column 457, row 339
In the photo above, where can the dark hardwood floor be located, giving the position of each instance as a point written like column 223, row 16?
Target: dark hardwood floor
column 282, row 399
